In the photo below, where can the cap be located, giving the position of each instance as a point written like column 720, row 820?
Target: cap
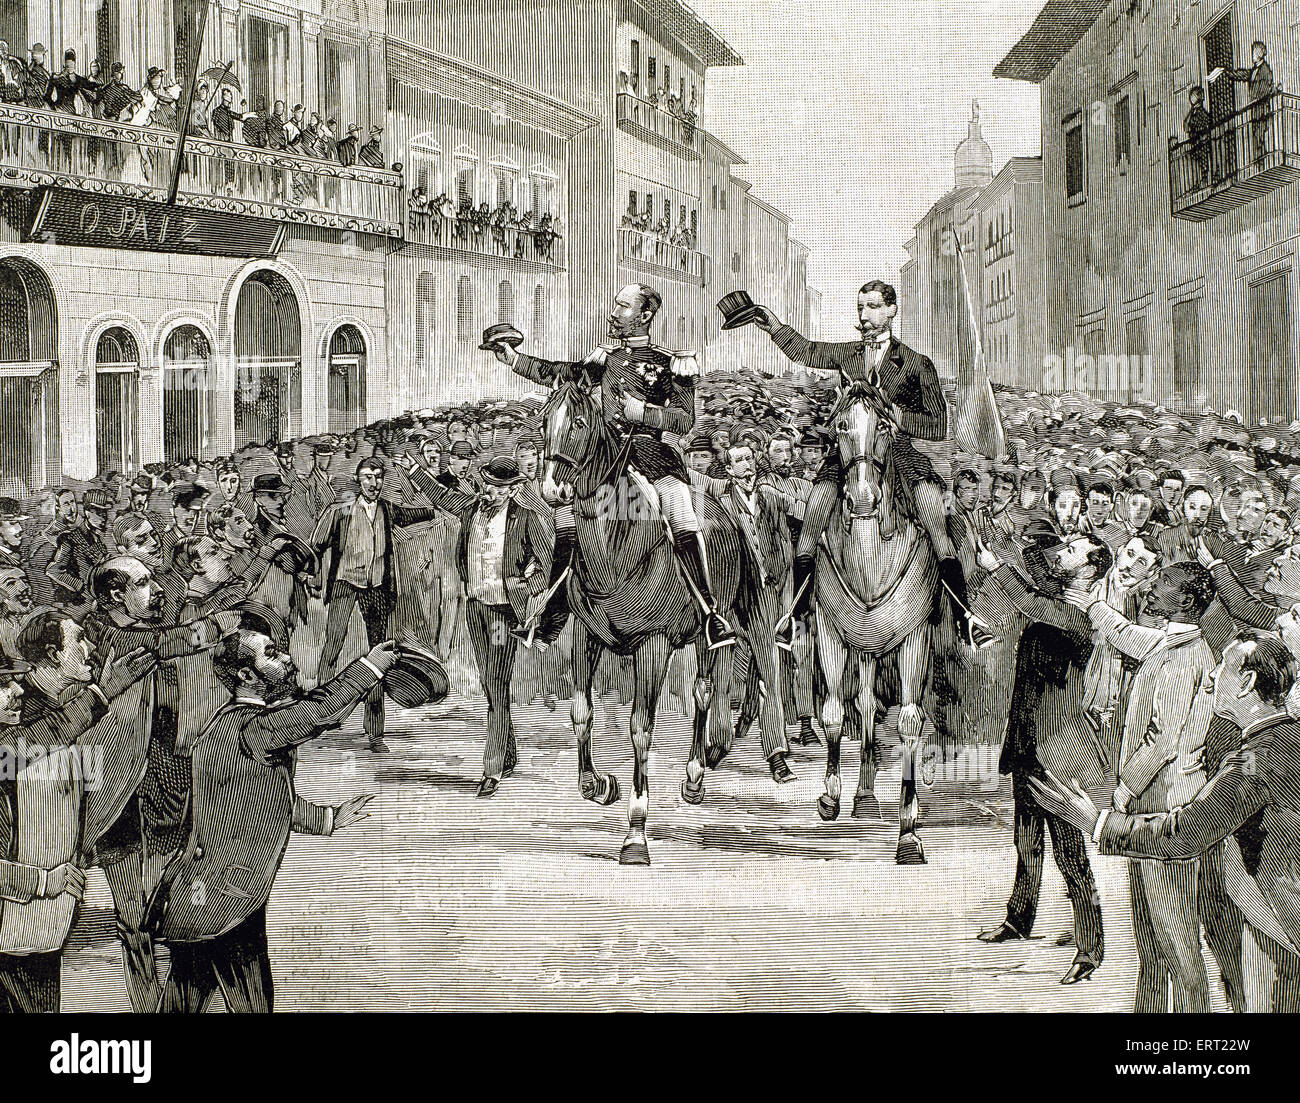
column 98, row 500
column 271, row 484
column 462, row 449
column 10, row 510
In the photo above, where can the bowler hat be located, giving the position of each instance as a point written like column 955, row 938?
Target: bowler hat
column 272, row 483
column 10, row 510
column 462, row 449
column 254, row 616
column 503, row 333
column 738, row 309
column 501, row 471
column 298, row 554
column 698, row 443
column 416, row 679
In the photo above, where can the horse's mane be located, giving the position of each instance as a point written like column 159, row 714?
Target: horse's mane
column 861, row 390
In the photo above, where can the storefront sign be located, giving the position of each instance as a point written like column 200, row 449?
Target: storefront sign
column 67, row 217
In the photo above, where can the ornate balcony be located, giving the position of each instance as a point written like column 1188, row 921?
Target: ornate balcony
column 652, row 123
column 509, row 245
column 642, row 250
column 1245, row 155
column 41, row 148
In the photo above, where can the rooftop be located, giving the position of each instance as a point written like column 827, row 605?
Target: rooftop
column 1058, row 28
column 689, row 29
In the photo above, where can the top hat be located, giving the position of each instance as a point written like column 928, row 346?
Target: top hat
column 416, row 679
column 272, row 483
column 10, row 510
column 738, row 309
column 501, row 471
column 503, row 333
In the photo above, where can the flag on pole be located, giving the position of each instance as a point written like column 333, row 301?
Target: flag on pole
column 977, row 425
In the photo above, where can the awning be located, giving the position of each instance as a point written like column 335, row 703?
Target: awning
column 1058, row 28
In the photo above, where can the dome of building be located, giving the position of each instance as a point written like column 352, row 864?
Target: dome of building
column 973, row 161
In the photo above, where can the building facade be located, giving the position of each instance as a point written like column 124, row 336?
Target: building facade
column 1170, row 261
column 134, row 330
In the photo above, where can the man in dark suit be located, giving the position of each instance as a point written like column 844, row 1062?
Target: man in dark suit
column 910, row 382
column 12, row 552
column 1259, row 79
column 1258, row 784
column 363, row 572
column 78, row 550
column 504, row 555
column 244, row 809
column 1047, row 727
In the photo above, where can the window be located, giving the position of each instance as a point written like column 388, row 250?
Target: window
column 117, row 360
column 506, row 302
column 426, row 166
column 504, row 176
column 1122, row 133
column 341, row 82
column 1187, row 347
column 632, row 207
column 735, row 262
column 1135, row 340
column 681, row 329
column 266, row 62
column 649, row 205
column 695, row 223
column 13, row 23
column 189, row 404
column 668, row 79
column 715, row 197
column 108, row 17
column 681, row 91
column 650, row 73
column 185, row 34
column 423, row 317
column 464, row 309
column 723, row 200
column 543, row 185
column 1074, row 171
column 636, row 64
column 539, row 316
column 466, row 178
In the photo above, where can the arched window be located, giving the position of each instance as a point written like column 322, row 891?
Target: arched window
column 347, row 379
column 506, row 302
column 424, row 323
column 539, row 316
column 187, row 395
column 268, row 352
column 28, row 399
column 117, row 403
column 464, row 309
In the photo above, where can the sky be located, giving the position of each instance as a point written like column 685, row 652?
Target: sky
column 848, row 114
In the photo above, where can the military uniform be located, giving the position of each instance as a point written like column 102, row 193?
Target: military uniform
column 663, row 380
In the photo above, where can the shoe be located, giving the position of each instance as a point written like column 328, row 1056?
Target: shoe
column 1080, row 969
column 807, row 737
column 781, row 771
column 488, row 787
column 378, row 746
column 512, row 760
column 1003, row 932
column 551, row 701
column 717, row 632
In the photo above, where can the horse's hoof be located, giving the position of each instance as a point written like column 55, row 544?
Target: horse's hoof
column 866, row 807
column 828, row 808
column 634, row 853
column 693, row 793
column 601, row 789
column 714, row 755
column 910, row 852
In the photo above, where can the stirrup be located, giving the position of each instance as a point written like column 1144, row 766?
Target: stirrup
column 726, row 639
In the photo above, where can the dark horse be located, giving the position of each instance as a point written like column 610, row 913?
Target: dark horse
column 627, row 595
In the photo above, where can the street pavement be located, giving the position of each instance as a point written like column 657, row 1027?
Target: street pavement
column 442, row 901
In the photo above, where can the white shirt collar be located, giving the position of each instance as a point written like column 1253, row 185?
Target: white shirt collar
column 639, row 341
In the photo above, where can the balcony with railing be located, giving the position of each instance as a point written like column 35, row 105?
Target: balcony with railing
column 510, row 243
column 657, row 124
column 1244, row 155
column 654, row 254
column 40, row 148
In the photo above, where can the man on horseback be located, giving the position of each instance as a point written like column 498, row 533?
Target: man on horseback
column 645, row 391
column 910, row 382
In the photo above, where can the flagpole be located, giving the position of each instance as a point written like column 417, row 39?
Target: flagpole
column 185, row 112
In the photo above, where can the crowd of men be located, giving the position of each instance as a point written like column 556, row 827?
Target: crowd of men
column 104, row 93
column 1148, row 554
column 505, row 230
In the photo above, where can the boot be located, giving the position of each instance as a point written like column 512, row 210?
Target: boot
column 690, row 554
column 803, row 570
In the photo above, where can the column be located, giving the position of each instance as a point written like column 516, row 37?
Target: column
column 310, row 53
column 228, row 35
column 373, row 109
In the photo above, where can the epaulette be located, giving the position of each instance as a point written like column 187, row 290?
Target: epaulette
column 599, row 354
column 685, row 365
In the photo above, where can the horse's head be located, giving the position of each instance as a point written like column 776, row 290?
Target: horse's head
column 572, row 429
column 864, row 446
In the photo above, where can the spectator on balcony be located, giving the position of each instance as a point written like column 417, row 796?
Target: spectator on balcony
column 418, row 216
column 310, row 139
column 116, row 97
column 482, row 220
column 329, row 139
column 36, row 78
column 276, row 135
column 1259, row 78
column 11, row 75
column 500, row 224
column 157, row 100
column 1198, row 125
column 544, row 236
column 294, row 128
column 254, row 124
column 199, row 126
column 370, row 154
column 65, row 86
column 348, row 147
column 224, row 117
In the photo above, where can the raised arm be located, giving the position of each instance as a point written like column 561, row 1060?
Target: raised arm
column 278, row 728
column 822, row 355
column 1137, row 641
column 455, row 502
column 1240, row 602
column 1038, row 607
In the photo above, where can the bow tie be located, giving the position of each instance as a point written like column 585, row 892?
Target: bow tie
column 881, row 343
